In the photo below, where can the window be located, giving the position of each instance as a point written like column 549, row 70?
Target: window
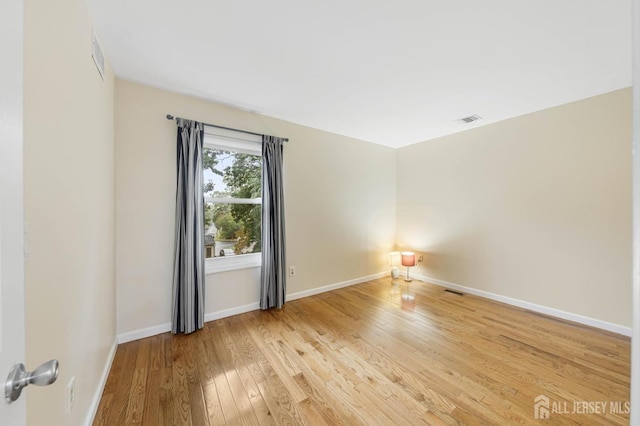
column 232, row 165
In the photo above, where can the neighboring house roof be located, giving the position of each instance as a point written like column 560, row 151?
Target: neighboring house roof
column 209, row 240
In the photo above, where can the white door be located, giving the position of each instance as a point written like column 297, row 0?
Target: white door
column 11, row 209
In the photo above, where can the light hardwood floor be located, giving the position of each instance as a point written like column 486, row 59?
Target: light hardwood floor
column 356, row 356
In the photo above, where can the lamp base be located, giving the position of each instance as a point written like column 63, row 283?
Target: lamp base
column 395, row 273
column 407, row 278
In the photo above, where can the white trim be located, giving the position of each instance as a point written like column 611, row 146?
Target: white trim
column 232, row 140
column 635, row 158
column 231, row 200
column 581, row 319
column 95, row 401
column 212, row 316
column 163, row 328
column 130, row 336
column 330, row 287
column 214, row 265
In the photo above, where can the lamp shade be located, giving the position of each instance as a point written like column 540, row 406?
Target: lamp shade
column 394, row 258
column 408, row 258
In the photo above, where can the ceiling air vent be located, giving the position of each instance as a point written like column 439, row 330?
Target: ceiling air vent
column 471, row 118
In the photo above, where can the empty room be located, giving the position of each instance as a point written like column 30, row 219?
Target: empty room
column 319, row 213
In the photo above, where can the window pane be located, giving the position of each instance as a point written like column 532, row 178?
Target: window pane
column 231, row 174
column 232, row 229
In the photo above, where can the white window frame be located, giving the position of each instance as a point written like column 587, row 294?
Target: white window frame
column 243, row 143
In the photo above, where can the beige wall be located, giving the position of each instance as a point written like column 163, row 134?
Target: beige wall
column 69, row 208
column 340, row 209
column 536, row 208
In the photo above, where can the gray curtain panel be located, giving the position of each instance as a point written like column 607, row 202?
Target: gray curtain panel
column 188, row 269
column 273, row 277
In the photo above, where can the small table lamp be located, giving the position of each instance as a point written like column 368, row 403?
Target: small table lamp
column 408, row 260
column 394, row 261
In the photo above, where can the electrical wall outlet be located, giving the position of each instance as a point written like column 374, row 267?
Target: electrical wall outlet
column 292, row 271
column 420, row 259
column 71, row 394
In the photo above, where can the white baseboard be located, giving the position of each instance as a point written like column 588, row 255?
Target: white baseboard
column 163, row 328
column 231, row 311
column 130, row 336
column 324, row 289
column 95, row 401
column 581, row 319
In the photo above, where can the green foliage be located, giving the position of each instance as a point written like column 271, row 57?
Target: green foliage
column 243, row 176
column 244, row 179
column 240, row 222
column 210, row 159
column 208, row 216
column 228, row 228
column 249, row 240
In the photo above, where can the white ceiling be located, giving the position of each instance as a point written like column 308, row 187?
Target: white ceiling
column 388, row 72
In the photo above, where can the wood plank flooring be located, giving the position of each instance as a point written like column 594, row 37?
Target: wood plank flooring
column 358, row 356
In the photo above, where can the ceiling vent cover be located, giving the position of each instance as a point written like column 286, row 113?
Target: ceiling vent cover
column 471, row 118
column 98, row 56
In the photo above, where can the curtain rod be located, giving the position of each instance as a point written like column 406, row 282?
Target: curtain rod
column 171, row 117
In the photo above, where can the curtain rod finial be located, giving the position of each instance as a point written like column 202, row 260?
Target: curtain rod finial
column 169, row 117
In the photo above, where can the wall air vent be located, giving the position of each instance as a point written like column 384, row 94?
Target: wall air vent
column 471, row 118
column 98, row 56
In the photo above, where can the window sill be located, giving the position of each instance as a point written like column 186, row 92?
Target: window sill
column 232, row 263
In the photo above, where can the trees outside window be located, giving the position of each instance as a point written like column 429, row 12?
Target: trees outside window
column 232, row 189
